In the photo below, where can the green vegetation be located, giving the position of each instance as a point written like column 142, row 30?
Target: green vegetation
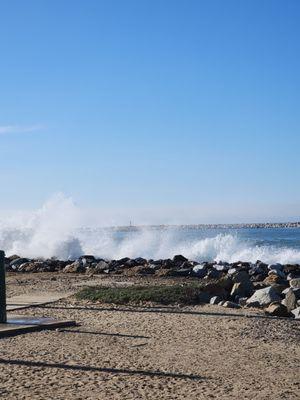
column 176, row 294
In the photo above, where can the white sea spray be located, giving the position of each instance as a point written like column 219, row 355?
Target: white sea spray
column 58, row 229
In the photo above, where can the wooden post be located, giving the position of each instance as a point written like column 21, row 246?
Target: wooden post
column 3, row 318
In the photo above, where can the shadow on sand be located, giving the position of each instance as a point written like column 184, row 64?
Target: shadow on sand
column 162, row 310
column 86, row 368
column 104, row 334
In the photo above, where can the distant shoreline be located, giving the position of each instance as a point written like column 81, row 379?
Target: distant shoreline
column 213, row 226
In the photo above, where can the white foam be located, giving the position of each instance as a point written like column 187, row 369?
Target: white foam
column 47, row 232
column 53, row 231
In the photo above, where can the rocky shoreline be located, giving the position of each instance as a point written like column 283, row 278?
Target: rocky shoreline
column 273, row 287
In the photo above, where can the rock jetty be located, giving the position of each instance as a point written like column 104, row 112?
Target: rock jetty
column 273, row 287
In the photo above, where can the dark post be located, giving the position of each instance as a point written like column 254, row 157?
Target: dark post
column 3, row 319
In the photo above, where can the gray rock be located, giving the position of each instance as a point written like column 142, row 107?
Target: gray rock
column 199, row 267
column 221, row 268
column 242, row 301
column 200, row 271
column 181, row 272
column 295, row 283
column 296, row 313
column 74, row 267
column 240, row 289
column 18, row 261
column 232, row 271
column 213, row 274
column 140, row 261
column 204, row 297
column 215, row 300
column 264, row 296
column 230, row 304
column 277, row 272
column 179, row 259
column 241, row 277
column 154, row 267
column 276, row 266
column 297, row 293
column 277, row 310
column 86, row 259
column 100, row 267
column 290, row 300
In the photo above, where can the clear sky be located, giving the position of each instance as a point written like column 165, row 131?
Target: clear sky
column 179, row 109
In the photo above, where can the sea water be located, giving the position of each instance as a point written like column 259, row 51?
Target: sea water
column 201, row 244
column 59, row 229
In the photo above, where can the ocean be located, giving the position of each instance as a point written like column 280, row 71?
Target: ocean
column 269, row 245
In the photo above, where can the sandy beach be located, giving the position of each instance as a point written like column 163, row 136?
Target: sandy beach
column 125, row 352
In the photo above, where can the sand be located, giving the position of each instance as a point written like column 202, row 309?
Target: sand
column 120, row 352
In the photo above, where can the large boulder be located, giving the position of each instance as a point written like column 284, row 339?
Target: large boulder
column 74, row 267
column 277, row 310
column 179, row 259
column 17, row 262
column 264, row 297
column 220, row 287
column 274, row 279
column 238, row 289
column 100, row 267
column 140, row 261
column 200, row 270
column 87, row 259
column 13, row 257
column 288, row 268
column 295, row 283
column 168, row 264
column 230, row 304
column 242, row 286
column 215, row 300
column 213, row 274
column 296, row 313
column 290, row 300
column 276, row 267
column 221, row 267
column 36, row 266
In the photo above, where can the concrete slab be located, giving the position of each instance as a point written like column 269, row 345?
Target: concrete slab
column 18, row 324
column 34, row 299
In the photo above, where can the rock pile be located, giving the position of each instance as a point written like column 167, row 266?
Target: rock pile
column 274, row 287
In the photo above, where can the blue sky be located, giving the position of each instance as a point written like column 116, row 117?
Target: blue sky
column 184, row 110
